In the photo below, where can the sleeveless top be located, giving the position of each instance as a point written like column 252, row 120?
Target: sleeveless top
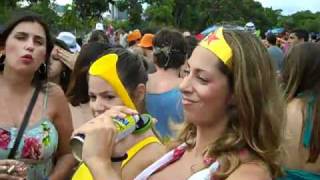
column 83, row 173
column 37, row 147
column 298, row 174
column 165, row 107
column 175, row 155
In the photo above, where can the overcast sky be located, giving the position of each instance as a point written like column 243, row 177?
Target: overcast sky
column 292, row 6
column 287, row 6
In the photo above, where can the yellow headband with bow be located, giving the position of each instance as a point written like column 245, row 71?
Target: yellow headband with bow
column 106, row 68
column 216, row 43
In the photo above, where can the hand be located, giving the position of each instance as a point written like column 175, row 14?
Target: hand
column 12, row 170
column 103, row 129
column 67, row 58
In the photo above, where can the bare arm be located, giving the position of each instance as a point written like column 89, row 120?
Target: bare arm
column 63, row 123
column 97, row 154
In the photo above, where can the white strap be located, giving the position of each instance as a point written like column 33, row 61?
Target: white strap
column 165, row 159
column 205, row 174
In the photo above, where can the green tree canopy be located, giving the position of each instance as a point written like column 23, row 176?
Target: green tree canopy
column 192, row 15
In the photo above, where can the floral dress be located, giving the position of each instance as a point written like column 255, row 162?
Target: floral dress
column 37, row 147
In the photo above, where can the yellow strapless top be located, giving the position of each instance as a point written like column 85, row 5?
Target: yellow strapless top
column 83, row 173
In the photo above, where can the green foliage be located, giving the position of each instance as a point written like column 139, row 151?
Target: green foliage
column 119, row 24
column 91, row 9
column 160, row 14
column 192, row 15
column 303, row 19
column 134, row 9
column 45, row 8
column 6, row 8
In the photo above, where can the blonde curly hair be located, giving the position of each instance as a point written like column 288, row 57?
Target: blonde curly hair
column 256, row 119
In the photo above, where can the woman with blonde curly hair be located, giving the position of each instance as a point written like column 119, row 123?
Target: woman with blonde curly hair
column 234, row 114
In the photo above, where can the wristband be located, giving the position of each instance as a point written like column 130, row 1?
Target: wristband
column 119, row 159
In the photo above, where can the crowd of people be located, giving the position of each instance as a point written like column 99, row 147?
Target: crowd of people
column 228, row 105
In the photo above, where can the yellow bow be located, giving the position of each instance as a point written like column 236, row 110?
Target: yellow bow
column 216, row 43
column 106, row 68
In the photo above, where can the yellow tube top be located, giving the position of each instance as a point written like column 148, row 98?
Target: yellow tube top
column 83, row 173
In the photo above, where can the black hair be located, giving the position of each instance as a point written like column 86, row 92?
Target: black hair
column 170, row 49
column 98, row 36
column 133, row 42
column 192, row 42
column 61, row 44
column 79, row 41
column 272, row 39
column 301, row 34
column 77, row 92
column 132, row 68
column 41, row 75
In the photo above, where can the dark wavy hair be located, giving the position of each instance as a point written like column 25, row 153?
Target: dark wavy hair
column 41, row 75
column 169, row 49
column 77, row 91
column 132, row 68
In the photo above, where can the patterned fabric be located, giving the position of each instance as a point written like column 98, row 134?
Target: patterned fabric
column 37, row 146
column 173, row 156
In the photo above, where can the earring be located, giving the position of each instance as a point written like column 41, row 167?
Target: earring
column 43, row 68
column 2, row 57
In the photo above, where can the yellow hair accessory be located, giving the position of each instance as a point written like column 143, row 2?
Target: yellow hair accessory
column 106, row 68
column 216, row 43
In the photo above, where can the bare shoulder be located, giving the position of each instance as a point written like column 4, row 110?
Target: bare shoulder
column 252, row 171
column 57, row 102
column 54, row 91
column 150, row 154
column 295, row 105
column 295, row 109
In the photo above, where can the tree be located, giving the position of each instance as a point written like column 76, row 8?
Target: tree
column 134, row 9
column 6, row 8
column 45, row 9
column 160, row 13
column 303, row 19
column 92, row 9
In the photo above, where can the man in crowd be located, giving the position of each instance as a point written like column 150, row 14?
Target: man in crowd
column 298, row 36
column 275, row 52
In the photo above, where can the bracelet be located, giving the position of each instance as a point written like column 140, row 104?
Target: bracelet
column 119, row 159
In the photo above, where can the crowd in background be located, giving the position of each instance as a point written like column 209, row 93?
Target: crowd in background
column 259, row 99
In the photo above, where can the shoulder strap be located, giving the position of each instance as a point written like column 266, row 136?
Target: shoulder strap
column 45, row 101
column 25, row 122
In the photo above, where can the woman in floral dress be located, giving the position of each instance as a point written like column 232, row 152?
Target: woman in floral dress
column 44, row 145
